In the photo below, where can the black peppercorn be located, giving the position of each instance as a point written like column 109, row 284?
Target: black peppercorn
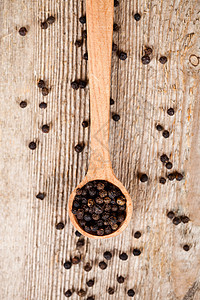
column 107, row 255
column 84, row 34
column 137, row 17
column 184, row 219
column 75, row 85
column 116, row 117
column 136, row 252
column 123, row 256
column 165, row 134
column 170, row 214
column 102, row 265
column 170, row 111
column 23, row 104
column 148, row 51
column 81, row 293
column 82, row 19
column 120, row 279
column 137, row 234
column 79, row 148
column 85, row 124
column 32, row 145
column 114, row 47
column 169, row 165
column 67, row 265
column 163, row 60
column 79, row 43
column 164, row 158
column 116, row 3
column 176, row 220
column 162, row 180
column 41, row 84
column 143, row 178
column 80, row 243
column 90, row 298
column 82, row 84
column 45, row 91
column 90, row 283
column 76, row 260
column 131, row 293
column 122, row 55
column 115, row 27
column 23, row 31
column 186, row 248
column 179, row 176
column 146, row 59
column 159, row 127
column 44, row 25
column 111, row 101
column 171, row 176
column 100, row 231
column 60, row 226
column 51, row 19
column 45, row 128
column 42, row 105
column 40, row 196
column 85, row 56
column 68, row 293
column 87, row 267
column 111, row 291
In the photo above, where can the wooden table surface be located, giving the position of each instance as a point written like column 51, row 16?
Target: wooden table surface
column 32, row 250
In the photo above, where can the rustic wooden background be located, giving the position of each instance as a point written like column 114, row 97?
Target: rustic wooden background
column 32, row 250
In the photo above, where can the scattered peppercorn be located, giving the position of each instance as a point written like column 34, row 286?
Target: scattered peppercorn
column 23, row 31
column 170, row 111
column 165, row 134
column 176, row 220
column 84, row 34
column 136, row 252
column 85, row 124
column 68, row 293
column 82, row 19
column 137, row 17
column 85, row 56
column 40, row 196
column 116, row 3
column 164, row 158
column 107, row 255
column 111, row 101
column 42, row 105
column 32, row 145
column 79, row 148
column 111, row 291
column 137, row 234
column 44, row 25
column 91, row 298
column 87, row 267
column 67, row 265
column 41, row 84
column 23, row 104
column 82, row 84
column 179, row 176
column 81, row 293
column 60, row 226
column 184, row 219
column 143, row 178
column 163, row 60
column 45, row 91
column 114, row 47
column 171, row 176
column 123, row 256
column 186, row 248
column 120, row 279
column 102, row 265
column 80, row 243
column 116, row 117
column 169, row 165
column 90, row 283
column 170, row 214
column 75, row 85
column 148, row 51
column 51, row 19
column 146, row 59
column 76, row 260
column 115, row 27
column 122, row 55
column 131, row 293
column 162, row 180
column 159, row 127
column 45, row 128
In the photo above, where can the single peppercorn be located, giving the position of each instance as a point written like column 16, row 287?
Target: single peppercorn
column 136, row 252
column 84, row 34
column 186, row 248
column 184, row 219
column 51, row 19
column 123, row 256
column 107, row 255
column 68, row 293
column 116, row 3
column 78, row 43
column 176, row 220
column 143, row 178
column 80, row 243
column 164, row 158
column 159, row 127
column 67, row 265
column 179, row 176
column 120, row 279
column 148, row 51
column 137, row 17
column 162, row 180
column 85, row 56
column 45, row 91
column 170, row 111
column 102, row 265
column 111, row 291
column 163, row 60
column 76, row 260
column 42, row 105
column 114, row 47
column 41, row 84
column 137, row 234
column 75, row 85
column 90, row 283
column 122, row 55
column 115, row 27
column 44, row 25
column 90, row 298
column 169, row 165
column 131, row 293
column 60, row 226
column 165, row 134
column 45, row 128
column 170, row 214
column 87, row 267
column 82, row 19
column 116, row 117
column 32, row 145
column 171, row 176
column 82, row 84
column 146, row 59
column 40, row 196
column 23, row 31
column 81, row 293
column 111, row 101
column 79, row 148
column 23, row 104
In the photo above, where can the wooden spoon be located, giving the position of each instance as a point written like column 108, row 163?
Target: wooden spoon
column 99, row 42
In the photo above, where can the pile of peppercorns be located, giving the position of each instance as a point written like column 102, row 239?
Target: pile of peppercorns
column 99, row 207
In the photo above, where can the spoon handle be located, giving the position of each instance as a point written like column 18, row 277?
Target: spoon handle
column 99, row 15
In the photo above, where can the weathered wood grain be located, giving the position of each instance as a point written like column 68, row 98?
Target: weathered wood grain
column 32, row 250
